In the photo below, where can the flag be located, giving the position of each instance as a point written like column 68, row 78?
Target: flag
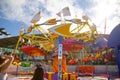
column 105, row 26
column 36, row 18
column 65, row 11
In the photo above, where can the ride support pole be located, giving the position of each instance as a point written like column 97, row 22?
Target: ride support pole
column 60, row 58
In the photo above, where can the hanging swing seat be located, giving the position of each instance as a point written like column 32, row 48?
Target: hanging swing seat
column 33, row 50
column 71, row 45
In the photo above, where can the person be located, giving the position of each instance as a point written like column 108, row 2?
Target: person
column 38, row 73
column 5, row 61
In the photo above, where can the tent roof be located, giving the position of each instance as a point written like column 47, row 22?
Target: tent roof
column 114, row 37
column 9, row 42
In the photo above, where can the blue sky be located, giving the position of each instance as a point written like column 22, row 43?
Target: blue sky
column 14, row 12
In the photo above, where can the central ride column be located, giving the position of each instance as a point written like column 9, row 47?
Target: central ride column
column 60, row 58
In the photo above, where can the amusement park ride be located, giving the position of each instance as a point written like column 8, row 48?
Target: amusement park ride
column 59, row 35
column 62, row 29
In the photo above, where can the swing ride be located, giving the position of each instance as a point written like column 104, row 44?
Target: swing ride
column 74, row 39
column 47, row 38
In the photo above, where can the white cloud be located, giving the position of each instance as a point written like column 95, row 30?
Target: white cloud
column 12, row 10
column 106, row 9
column 24, row 10
column 20, row 10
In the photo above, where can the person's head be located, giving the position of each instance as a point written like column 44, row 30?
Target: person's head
column 39, row 65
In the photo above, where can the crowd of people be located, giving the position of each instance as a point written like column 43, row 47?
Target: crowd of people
column 6, row 60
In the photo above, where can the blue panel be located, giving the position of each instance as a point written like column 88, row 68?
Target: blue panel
column 117, row 58
column 114, row 42
column 60, row 39
column 60, row 58
column 114, row 38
